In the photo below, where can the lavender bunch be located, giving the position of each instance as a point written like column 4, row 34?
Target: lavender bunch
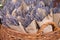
column 23, row 13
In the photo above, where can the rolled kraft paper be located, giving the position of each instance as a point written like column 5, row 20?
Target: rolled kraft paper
column 46, row 19
column 54, row 26
column 57, row 18
column 18, row 28
column 48, row 29
column 31, row 29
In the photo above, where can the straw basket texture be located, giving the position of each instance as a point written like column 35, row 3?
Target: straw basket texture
column 10, row 34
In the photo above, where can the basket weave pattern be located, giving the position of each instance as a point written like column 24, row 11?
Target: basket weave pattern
column 9, row 34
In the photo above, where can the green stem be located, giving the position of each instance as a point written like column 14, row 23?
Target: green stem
column 1, row 6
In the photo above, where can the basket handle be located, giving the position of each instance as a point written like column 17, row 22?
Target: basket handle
column 54, row 25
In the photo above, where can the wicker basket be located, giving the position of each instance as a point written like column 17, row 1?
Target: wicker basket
column 10, row 34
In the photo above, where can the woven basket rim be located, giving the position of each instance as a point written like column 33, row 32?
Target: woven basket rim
column 17, row 34
column 9, row 29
